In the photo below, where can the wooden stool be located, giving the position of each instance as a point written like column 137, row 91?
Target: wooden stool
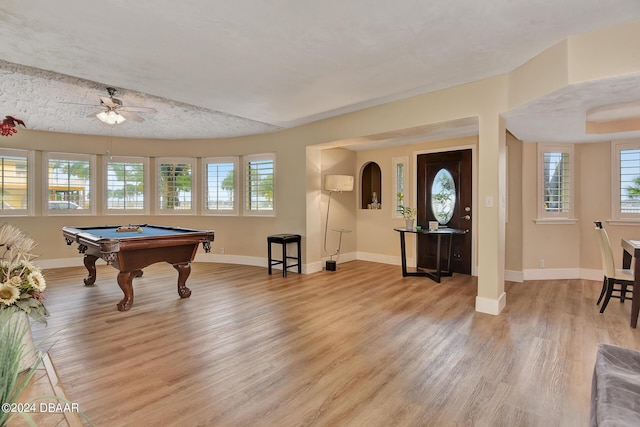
column 283, row 239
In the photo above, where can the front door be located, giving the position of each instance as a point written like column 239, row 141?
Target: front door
column 444, row 195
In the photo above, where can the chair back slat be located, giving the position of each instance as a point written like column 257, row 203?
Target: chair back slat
column 606, row 253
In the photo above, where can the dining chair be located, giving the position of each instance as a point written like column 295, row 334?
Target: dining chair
column 615, row 280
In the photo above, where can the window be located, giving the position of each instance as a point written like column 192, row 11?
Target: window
column 259, row 184
column 555, row 184
column 400, row 187
column 625, row 157
column 220, row 185
column 125, row 179
column 16, row 182
column 174, row 183
column 69, row 183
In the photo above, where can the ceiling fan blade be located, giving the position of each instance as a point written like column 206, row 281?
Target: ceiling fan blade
column 139, row 109
column 108, row 102
column 76, row 103
column 130, row 116
column 93, row 115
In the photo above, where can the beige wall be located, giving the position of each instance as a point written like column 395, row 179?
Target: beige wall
column 342, row 215
column 558, row 245
column 595, row 204
column 513, row 241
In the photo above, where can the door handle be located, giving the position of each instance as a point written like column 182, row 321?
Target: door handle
column 467, row 217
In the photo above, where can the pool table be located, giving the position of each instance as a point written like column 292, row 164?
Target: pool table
column 133, row 247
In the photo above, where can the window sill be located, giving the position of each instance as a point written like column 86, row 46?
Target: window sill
column 555, row 221
column 635, row 222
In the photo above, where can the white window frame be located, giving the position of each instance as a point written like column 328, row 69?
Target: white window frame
column 167, row 160
column 145, row 194
column 29, row 155
column 92, row 183
column 616, row 215
column 237, row 185
column 545, row 217
column 395, row 162
column 245, row 194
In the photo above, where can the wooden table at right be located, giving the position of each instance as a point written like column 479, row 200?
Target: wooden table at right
column 631, row 249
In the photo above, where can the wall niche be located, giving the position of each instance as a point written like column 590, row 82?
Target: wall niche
column 371, row 186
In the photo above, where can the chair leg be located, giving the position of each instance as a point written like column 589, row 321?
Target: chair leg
column 623, row 293
column 608, row 296
column 284, row 259
column 602, row 292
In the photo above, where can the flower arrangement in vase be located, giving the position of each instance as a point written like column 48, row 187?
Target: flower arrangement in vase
column 22, row 284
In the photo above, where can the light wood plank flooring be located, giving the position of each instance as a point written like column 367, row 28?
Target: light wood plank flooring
column 362, row 346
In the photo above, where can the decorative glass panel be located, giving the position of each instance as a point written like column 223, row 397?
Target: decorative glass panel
column 443, row 196
column 399, row 179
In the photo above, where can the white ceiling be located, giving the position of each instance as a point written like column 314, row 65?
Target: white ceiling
column 216, row 68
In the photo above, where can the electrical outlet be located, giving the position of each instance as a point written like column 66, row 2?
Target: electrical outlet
column 221, row 250
column 541, row 263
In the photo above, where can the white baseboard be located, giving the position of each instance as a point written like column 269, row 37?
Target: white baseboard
column 551, row 273
column 562, row 273
column 60, row 263
column 233, row 259
column 510, row 275
column 514, row 276
column 587, row 274
column 491, row 306
column 384, row 259
column 204, row 257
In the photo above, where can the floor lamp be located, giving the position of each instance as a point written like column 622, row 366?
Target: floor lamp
column 335, row 183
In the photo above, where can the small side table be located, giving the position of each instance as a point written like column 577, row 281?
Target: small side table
column 440, row 272
column 284, row 239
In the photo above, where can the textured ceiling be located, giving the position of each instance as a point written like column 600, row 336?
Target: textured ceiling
column 228, row 68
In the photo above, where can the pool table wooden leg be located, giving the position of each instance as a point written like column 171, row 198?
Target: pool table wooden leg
column 184, row 270
column 125, row 281
column 90, row 264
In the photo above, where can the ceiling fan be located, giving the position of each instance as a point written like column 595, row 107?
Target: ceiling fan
column 114, row 112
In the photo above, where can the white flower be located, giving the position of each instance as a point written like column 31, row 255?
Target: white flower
column 36, row 280
column 8, row 294
column 15, row 281
column 26, row 265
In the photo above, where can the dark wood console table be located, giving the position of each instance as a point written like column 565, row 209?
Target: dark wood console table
column 440, row 272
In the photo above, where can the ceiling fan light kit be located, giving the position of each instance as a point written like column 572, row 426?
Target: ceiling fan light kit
column 110, row 117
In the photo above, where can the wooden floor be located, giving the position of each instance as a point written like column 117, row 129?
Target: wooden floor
column 358, row 347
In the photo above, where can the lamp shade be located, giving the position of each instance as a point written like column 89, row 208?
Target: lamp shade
column 338, row 183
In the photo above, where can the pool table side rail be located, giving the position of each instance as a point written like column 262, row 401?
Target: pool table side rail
column 107, row 245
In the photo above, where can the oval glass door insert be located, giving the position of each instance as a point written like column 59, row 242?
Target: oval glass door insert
column 443, row 196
